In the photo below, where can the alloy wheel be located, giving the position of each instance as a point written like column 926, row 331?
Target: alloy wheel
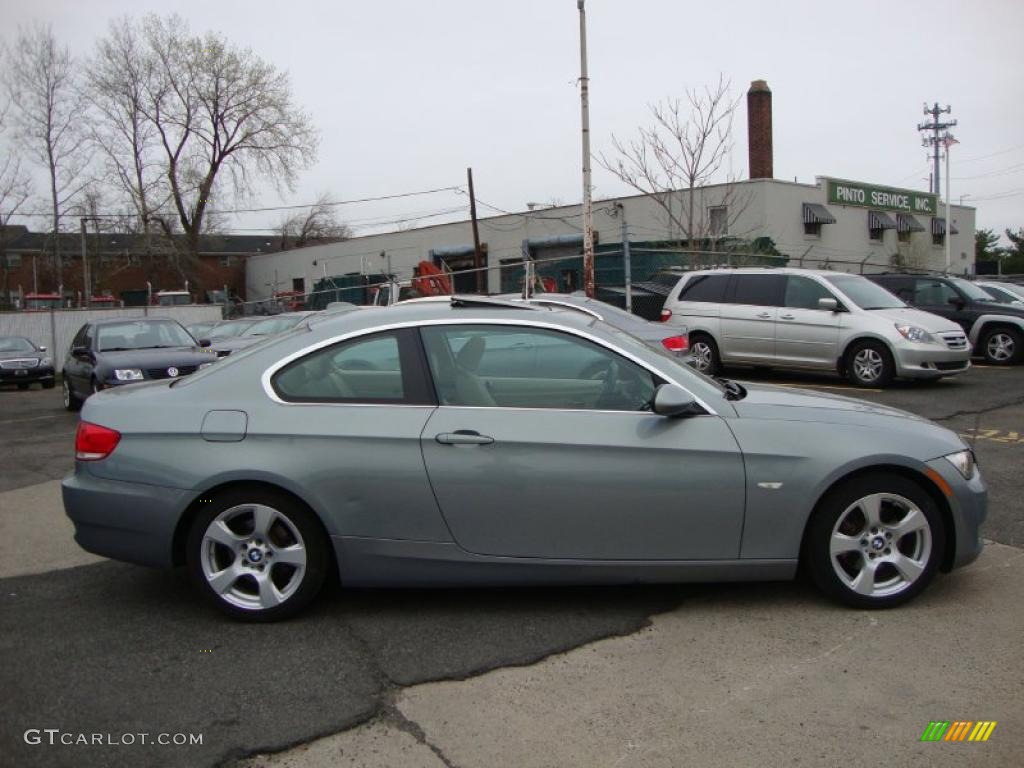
column 703, row 357
column 880, row 545
column 1000, row 347
column 253, row 556
column 868, row 365
column 67, row 394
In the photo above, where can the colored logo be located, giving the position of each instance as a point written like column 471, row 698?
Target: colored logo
column 958, row 730
column 172, row 372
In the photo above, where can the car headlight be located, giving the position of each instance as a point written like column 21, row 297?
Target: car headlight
column 913, row 333
column 46, row 362
column 128, row 374
column 205, row 365
column 964, row 462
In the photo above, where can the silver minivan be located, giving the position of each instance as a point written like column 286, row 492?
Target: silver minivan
column 809, row 319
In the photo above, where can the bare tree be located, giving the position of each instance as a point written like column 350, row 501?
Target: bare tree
column 316, row 226
column 685, row 149
column 15, row 191
column 118, row 76
column 46, row 112
column 223, row 117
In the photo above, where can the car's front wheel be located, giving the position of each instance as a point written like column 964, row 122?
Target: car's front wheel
column 258, row 555
column 870, row 364
column 874, row 541
column 71, row 401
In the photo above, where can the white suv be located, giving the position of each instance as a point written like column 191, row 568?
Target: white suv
column 801, row 318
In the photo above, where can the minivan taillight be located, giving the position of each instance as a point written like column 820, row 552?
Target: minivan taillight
column 93, row 442
column 665, row 315
column 676, row 343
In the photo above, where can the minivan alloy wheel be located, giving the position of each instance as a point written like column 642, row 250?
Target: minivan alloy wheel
column 253, row 556
column 868, row 364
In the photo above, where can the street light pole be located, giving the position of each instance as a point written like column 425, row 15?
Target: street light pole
column 588, row 218
column 948, row 141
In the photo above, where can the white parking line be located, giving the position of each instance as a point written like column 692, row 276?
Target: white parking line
column 33, row 418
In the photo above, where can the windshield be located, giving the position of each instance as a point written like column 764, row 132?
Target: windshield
column 142, row 334
column 273, row 325
column 864, row 293
column 16, row 344
column 230, row 329
column 970, row 290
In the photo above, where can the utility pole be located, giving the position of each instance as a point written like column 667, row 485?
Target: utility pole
column 588, row 214
column 85, row 267
column 478, row 257
column 935, row 140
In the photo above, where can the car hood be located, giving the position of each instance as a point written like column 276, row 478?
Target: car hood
column 34, row 354
column 772, row 402
column 235, row 344
column 155, row 358
column 910, row 316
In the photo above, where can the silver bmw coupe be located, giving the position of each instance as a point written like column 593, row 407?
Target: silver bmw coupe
column 481, row 442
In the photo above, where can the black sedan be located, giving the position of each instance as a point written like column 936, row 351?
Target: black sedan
column 111, row 353
column 22, row 363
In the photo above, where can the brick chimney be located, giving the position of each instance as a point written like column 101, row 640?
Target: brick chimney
column 759, row 130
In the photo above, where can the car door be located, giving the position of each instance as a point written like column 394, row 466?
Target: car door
column 78, row 367
column 940, row 298
column 748, row 317
column 805, row 334
column 559, row 461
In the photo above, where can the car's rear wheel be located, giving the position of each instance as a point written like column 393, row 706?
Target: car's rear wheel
column 1002, row 346
column 874, row 541
column 870, row 364
column 704, row 353
column 258, row 555
column 71, row 401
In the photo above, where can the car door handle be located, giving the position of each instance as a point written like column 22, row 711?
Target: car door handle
column 764, row 315
column 463, row 437
column 785, row 317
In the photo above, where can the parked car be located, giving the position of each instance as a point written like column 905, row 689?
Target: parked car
column 429, row 445
column 1007, row 293
column 23, row 363
column 202, row 330
column 226, row 330
column 111, row 353
column 670, row 337
column 814, row 320
column 257, row 331
column 995, row 330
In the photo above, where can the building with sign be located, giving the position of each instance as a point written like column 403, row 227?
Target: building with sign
column 841, row 224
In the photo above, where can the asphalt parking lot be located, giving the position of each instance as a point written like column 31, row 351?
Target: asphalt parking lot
column 93, row 646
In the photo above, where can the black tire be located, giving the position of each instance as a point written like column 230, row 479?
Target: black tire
column 1002, row 345
column 870, row 364
column 71, row 401
column 875, row 550
column 241, row 598
column 704, row 352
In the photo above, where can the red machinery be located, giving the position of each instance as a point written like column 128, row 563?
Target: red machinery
column 431, row 280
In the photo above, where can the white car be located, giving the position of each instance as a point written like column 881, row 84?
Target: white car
column 808, row 319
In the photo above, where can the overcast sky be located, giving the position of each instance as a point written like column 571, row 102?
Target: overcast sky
column 409, row 93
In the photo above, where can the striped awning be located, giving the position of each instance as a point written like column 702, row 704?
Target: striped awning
column 817, row 214
column 880, row 220
column 939, row 227
column 907, row 223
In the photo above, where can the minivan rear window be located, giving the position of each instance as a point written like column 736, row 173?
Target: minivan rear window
column 705, row 288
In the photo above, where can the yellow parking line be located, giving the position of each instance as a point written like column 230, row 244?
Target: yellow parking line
column 822, row 386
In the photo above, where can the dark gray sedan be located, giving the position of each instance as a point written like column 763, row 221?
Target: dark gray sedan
column 461, row 443
column 23, row 363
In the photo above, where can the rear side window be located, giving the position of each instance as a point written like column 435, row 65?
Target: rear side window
column 707, row 288
column 803, row 293
column 379, row 368
column 758, row 290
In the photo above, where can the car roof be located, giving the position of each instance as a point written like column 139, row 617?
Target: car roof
column 122, row 320
column 768, row 271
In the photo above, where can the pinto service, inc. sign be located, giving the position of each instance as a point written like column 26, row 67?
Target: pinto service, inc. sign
column 882, row 198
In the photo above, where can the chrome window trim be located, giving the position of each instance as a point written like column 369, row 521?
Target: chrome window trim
column 566, row 305
column 462, row 320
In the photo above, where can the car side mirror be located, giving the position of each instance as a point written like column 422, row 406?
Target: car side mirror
column 673, row 401
column 830, row 304
column 205, row 342
column 42, row 348
column 956, row 301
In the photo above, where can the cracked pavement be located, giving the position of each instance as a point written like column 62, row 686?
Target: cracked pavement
column 506, row 677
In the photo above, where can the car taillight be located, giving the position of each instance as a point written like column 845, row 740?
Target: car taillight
column 93, row 442
column 665, row 315
column 676, row 343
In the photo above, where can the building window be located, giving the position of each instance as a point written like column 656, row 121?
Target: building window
column 134, row 259
column 812, row 228
column 13, row 260
column 878, row 235
column 903, row 237
column 227, row 261
column 938, row 239
column 299, row 284
column 718, row 219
